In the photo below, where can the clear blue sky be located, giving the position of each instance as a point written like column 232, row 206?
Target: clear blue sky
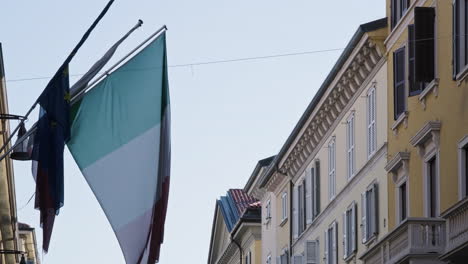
column 225, row 117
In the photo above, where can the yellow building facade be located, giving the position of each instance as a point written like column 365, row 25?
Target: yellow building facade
column 427, row 133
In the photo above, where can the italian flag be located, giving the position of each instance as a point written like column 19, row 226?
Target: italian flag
column 120, row 139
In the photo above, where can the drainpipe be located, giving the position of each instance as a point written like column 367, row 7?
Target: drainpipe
column 291, row 187
column 239, row 246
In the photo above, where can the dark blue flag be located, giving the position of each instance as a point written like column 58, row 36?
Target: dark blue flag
column 53, row 131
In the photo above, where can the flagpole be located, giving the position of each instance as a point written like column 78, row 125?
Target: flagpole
column 77, row 95
column 67, row 60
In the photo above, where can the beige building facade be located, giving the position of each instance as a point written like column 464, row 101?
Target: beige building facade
column 333, row 162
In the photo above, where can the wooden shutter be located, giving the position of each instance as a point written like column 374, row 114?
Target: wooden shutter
column 297, row 259
column 353, row 228
column 424, row 18
column 311, row 252
column 345, row 241
column 364, row 217
column 455, row 38
column 375, row 206
column 399, row 82
column 295, row 217
column 308, row 196
column 335, row 243
column 317, row 188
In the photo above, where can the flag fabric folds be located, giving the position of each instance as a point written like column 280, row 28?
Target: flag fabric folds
column 53, row 130
column 120, row 139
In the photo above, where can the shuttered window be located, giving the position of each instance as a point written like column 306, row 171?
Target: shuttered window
column 331, row 169
column 349, row 231
column 284, row 206
column 460, row 36
column 415, row 87
column 350, row 153
column 369, row 212
column 295, row 220
column 371, row 122
column 399, row 82
column 399, row 8
column 315, row 189
column 297, row 259
column 312, row 252
column 331, row 245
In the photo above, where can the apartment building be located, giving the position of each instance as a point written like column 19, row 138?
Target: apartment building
column 427, row 133
column 335, row 157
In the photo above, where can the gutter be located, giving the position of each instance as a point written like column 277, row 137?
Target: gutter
column 362, row 29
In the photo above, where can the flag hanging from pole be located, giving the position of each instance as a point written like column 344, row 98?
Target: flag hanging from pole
column 120, row 139
column 53, row 131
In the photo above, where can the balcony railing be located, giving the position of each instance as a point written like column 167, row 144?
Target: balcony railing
column 414, row 237
column 457, row 225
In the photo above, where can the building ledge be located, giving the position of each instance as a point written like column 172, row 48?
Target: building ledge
column 434, row 87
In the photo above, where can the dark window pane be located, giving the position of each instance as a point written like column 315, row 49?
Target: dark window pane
column 432, row 188
column 399, row 82
column 403, row 202
column 424, row 21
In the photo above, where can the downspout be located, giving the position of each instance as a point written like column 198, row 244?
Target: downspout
column 291, row 187
column 239, row 246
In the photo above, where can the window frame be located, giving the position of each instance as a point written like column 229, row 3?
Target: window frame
column 463, row 168
column 460, row 42
column 284, row 206
column 398, row 11
column 432, row 155
column 331, row 247
column 399, row 208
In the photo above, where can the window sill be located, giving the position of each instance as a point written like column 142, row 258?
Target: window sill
column 434, row 87
column 462, row 75
column 370, row 240
column 283, row 222
column 403, row 118
column 350, row 257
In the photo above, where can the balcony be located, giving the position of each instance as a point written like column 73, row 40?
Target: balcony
column 415, row 238
column 457, row 232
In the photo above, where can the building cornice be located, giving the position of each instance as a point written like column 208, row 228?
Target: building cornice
column 327, row 113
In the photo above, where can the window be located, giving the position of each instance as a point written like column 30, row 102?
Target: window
column 331, row 250
column 460, row 32
column 312, row 252
column 371, row 126
column 399, row 8
column 299, row 208
column 465, row 150
column 349, row 231
column 302, row 208
column 284, row 206
column 432, row 188
column 315, row 189
column 268, row 210
column 283, row 259
column 331, row 169
column 248, row 258
column 369, row 221
column 403, row 202
column 350, row 153
column 415, row 87
column 399, row 82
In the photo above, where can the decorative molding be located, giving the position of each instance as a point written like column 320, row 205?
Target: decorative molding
column 430, row 131
column 400, row 160
column 361, row 66
column 434, row 87
column 403, row 118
